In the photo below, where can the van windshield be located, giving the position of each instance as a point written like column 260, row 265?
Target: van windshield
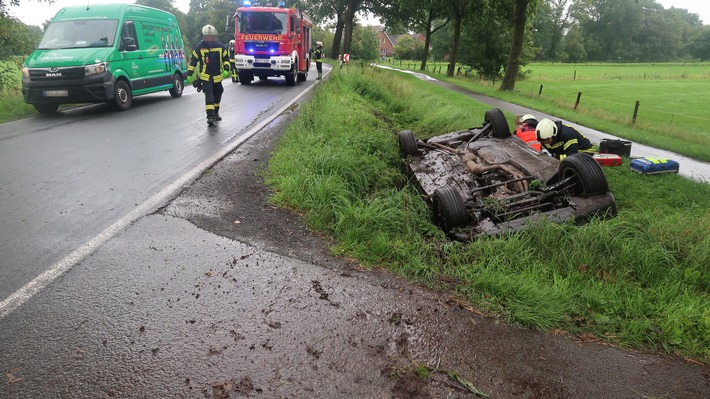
column 79, row 34
column 262, row 22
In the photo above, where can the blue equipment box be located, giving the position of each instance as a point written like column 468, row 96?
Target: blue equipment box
column 650, row 166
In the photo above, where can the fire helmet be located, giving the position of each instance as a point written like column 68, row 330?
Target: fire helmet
column 319, row 44
column 209, row 30
column 231, row 42
column 528, row 117
column 546, row 129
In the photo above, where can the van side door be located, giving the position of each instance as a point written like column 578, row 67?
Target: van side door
column 130, row 52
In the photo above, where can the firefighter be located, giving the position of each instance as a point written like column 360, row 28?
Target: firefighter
column 214, row 67
column 562, row 140
column 318, row 55
column 232, row 67
column 525, row 130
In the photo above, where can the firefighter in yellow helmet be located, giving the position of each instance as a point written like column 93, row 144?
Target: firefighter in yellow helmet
column 214, row 67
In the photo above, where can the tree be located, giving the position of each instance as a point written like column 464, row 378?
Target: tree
column 521, row 8
column 420, row 16
column 699, row 46
column 18, row 39
column 460, row 9
column 365, row 45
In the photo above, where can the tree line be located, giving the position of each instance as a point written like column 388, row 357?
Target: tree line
column 492, row 38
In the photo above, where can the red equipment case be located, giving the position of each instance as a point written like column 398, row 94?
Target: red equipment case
column 608, row 159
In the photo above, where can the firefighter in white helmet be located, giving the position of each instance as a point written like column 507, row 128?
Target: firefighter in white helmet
column 318, row 55
column 561, row 140
column 214, row 67
column 232, row 58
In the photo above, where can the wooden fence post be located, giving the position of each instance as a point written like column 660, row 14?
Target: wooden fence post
column 636, row 112
column 576, row 104
column 539, row 93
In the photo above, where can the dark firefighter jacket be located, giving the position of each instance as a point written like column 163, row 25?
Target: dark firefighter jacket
column 568, row 141
column 213, row 59
column 318, row 55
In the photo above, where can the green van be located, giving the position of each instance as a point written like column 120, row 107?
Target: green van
column 104, row 53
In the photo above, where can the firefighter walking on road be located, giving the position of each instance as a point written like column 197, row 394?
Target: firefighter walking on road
column 232, row 59
column 214, row 67
column 318, row 55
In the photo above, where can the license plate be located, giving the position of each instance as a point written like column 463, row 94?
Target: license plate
column 261, row 61
column 56, row 93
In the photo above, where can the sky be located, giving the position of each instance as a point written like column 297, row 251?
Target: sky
column 34, row 12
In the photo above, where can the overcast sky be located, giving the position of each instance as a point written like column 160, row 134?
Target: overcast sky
column 33, row 12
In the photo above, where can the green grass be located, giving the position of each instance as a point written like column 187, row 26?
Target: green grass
column 639, row 280
column 672, row 97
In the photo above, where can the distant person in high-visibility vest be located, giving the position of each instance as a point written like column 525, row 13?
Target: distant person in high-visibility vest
column 214, row 67
column 525, row 130
column 318, row 55
column 561, row 140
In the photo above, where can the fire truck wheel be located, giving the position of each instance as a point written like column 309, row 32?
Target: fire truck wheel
column 245, row 78
column 263, row 77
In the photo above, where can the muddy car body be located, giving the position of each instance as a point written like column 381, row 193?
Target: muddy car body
column 485, row 181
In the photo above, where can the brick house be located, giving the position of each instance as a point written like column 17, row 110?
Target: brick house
column 387, row 41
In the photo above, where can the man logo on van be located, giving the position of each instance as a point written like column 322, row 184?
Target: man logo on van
column 53, row 74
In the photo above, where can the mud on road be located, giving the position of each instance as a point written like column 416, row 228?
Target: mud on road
column 317, row 326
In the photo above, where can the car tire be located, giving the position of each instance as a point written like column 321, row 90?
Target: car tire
column 291, row 76
column 408, row 143
column 46, row 108
column 178, row 86
column 498, row 122
column 122, row 96
column 449, row 208
column 590, row 176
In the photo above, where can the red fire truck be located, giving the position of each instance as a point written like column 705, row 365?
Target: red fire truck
column 272, row 41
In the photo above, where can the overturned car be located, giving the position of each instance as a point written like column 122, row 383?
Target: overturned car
column 485, row 181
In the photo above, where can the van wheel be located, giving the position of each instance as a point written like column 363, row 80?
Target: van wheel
column 46, row 108
column 122, row 96
column 178, row 86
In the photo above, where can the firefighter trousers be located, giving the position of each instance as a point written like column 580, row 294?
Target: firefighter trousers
column 213, row 95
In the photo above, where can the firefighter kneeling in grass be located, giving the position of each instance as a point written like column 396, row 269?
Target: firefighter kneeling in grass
column 214, row 67
column 561, row 140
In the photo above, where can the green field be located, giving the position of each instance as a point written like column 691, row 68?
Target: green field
column 672, row 99
column 639, row 280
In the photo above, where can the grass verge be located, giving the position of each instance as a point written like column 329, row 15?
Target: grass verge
column 639, row 281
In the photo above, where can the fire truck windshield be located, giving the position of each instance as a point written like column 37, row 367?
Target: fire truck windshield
column 262, row 22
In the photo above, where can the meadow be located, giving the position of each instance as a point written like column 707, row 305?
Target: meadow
column 672, row 99
column 639, row 280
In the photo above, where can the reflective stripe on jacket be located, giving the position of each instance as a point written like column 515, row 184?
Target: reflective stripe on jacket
column 213, row 59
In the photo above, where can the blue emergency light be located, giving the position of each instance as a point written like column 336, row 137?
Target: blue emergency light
column 246, row 3
column 282, row 4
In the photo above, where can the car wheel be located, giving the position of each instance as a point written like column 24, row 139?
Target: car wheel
column 122, row 97
column 588, row 176
column 408, row 143
column 178, row 86
column 46, row 108
column 449, row 208
column 498, row 122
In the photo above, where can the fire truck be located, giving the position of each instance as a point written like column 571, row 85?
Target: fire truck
column 272, row 41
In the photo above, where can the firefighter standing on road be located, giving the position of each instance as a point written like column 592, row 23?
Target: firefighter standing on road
column 232, row 58
column 214, row 67
column 562, row 140
column 318, row 55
